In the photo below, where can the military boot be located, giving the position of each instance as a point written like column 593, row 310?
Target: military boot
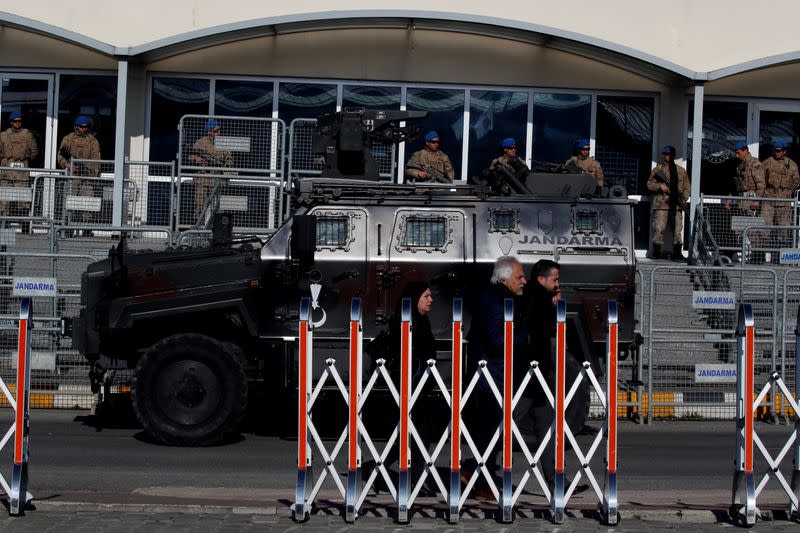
column 656, row 251
column 677, row 252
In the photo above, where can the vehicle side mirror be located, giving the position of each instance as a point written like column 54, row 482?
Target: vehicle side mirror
column 303, row 243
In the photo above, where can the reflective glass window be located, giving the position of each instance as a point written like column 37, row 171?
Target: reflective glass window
column 171, row 99
column 625, row 141
column 94, row 96
column 425, row 232
column 445, row 109
column 778, row 126
column 305, row 100
column 238, row 98
column 493, row 116
column 332, row 231
column 371, row 97
column 724, row 124
column 29, row 97
column 558, row 121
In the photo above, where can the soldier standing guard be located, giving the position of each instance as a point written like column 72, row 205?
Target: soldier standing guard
column 17, row 149
column 430, row 164
column 206, row 154
column 508, row 159
column 670, row 188
column 781, row 179
column 748, row 182
column 80, row 144
column 585, row 162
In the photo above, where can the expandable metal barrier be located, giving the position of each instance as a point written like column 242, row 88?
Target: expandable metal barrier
column 745, row 492
column 17, row 492
column 406, row 492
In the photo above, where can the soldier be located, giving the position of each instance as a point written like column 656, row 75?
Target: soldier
column 509, row 158
column 782, row 178
column 748, row 182
column 669, row 184
column 430, row 164
column 585, row 162
column 80, row 144
column 206, row 154
column 17, row 149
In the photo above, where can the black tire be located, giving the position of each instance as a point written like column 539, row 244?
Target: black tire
column 189, row 390
column 578, row 409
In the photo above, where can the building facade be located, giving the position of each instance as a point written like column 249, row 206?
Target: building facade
column 630, row 76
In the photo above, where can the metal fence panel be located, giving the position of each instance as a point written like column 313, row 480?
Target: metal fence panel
column 154, row 206
column 220, row 162
column 691, row 341
column 58, row 373
column 728, row 216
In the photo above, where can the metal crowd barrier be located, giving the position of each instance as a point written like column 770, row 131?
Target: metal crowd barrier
column 406, row 396
column 17, row 491
column 728, row 216
column 245, row 161
column 766, row 243
column 745, row 492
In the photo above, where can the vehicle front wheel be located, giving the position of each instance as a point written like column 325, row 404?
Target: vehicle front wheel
column 189, row 390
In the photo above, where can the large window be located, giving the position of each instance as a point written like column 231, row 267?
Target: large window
column 173, row 98
column 305, row 100
column 370, row 97
column 625, row 141
column 724, row 124
column 493, row 116
column 445, row 109
column 239, row 98
column 95, row 97
column 558, row 121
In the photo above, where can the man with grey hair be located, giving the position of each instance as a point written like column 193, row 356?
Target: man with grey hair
column 486, row 342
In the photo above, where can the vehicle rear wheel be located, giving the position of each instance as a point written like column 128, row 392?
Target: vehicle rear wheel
column 189, row 390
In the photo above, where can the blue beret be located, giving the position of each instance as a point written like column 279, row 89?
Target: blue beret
column 431, row 135
column 668, row 149
column 508, row 142
column 780, row 144
column 211, row 124
column 81, row 120
column 741, row 145
column 15, row 115
column 580, row 143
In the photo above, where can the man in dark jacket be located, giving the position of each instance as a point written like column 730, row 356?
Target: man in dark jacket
column 486, row 342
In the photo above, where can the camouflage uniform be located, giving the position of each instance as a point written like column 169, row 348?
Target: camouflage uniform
column 435, row 160
column 205, row 149
column 503, row 161
column 81, row 146
column 17, row 148
column 782, row 178
column 589, row 165
column 749, row 180
column 661, row 202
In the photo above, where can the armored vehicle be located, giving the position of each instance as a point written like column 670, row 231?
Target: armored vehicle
column 198, row 324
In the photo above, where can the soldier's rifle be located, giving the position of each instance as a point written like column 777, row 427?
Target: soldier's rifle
column 659, row 175
column 437, row 176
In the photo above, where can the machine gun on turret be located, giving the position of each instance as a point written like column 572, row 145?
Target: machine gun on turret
column 343, row 141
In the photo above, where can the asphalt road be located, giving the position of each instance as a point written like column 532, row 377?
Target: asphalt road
column 76, row 456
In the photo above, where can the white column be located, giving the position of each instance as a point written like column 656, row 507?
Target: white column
column 119, row 143
column 697, row 149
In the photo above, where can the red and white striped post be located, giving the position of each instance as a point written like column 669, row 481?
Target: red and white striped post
column 304, row 387
column 507, row 500
column 610, row 496
column 455, row 414
column 19, row 476
column 403, row 482
column 354, row 396
column 558, row 501
column 745, row 366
